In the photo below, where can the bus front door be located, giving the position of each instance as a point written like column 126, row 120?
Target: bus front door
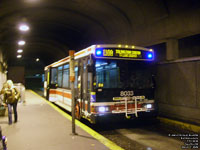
column 46, row 84
column 85, row 91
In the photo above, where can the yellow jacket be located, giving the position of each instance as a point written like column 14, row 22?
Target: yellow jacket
column 9, row 96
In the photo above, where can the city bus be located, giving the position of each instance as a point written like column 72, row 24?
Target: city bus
column 110, row 81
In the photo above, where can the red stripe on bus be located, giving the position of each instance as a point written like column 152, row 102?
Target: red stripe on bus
column 67, row 95
column 52, row 91
column 86, row 106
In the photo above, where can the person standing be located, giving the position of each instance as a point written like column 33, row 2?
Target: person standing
column 12, row 96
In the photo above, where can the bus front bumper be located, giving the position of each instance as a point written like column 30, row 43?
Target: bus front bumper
column 95, row 118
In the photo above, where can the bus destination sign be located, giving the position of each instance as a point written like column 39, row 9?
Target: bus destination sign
column 123, row 53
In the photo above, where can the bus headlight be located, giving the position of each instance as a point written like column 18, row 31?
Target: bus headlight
column 103, row 109
column 149, row 106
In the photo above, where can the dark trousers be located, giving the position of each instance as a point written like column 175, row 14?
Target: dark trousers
column 14, row 105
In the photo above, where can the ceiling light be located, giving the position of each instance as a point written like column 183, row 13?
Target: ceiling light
column 37, row 59
column 21, row 42
column 19, row 56
column 19, row 50
column 23, row 27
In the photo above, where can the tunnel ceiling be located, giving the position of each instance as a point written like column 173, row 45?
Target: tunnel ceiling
column 59, row 25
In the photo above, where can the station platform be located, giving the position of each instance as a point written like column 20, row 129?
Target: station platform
column 42, row 127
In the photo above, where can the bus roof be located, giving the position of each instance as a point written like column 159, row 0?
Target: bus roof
column 91, row 50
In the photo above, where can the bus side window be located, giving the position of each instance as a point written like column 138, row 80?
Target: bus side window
column 89, row 82
column 76, row 77
column 66, row 83
column 60, row 76
column 54, row 76
column 84, row 78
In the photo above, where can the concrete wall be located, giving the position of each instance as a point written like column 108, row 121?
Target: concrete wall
column 16, row 74
column 176, row 26
column 178, row 90
column 3, row 79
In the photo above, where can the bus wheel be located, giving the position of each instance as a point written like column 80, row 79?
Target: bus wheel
column 77, row 111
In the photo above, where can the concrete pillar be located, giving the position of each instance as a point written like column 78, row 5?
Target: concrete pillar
column 172, row 51
column 3, row 76
column 1, row 56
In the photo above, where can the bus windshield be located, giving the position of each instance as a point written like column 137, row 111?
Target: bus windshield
column 123, row 74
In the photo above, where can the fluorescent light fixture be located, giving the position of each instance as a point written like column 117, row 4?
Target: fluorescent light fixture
column 21, row 42
column 19, row 50
column 19, row 56
column 23, row 27
column 97, row 65
column 104, row 63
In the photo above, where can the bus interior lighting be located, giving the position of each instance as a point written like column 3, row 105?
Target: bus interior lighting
column 97, row 65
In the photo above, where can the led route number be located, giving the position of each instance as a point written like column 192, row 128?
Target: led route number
column 123, row 53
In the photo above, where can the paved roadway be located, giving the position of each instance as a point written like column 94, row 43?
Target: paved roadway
column 141, row 135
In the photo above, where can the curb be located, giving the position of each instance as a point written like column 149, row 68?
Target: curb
column 182, row 125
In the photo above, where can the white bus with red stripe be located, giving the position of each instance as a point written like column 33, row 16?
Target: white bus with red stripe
column 110, row 81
